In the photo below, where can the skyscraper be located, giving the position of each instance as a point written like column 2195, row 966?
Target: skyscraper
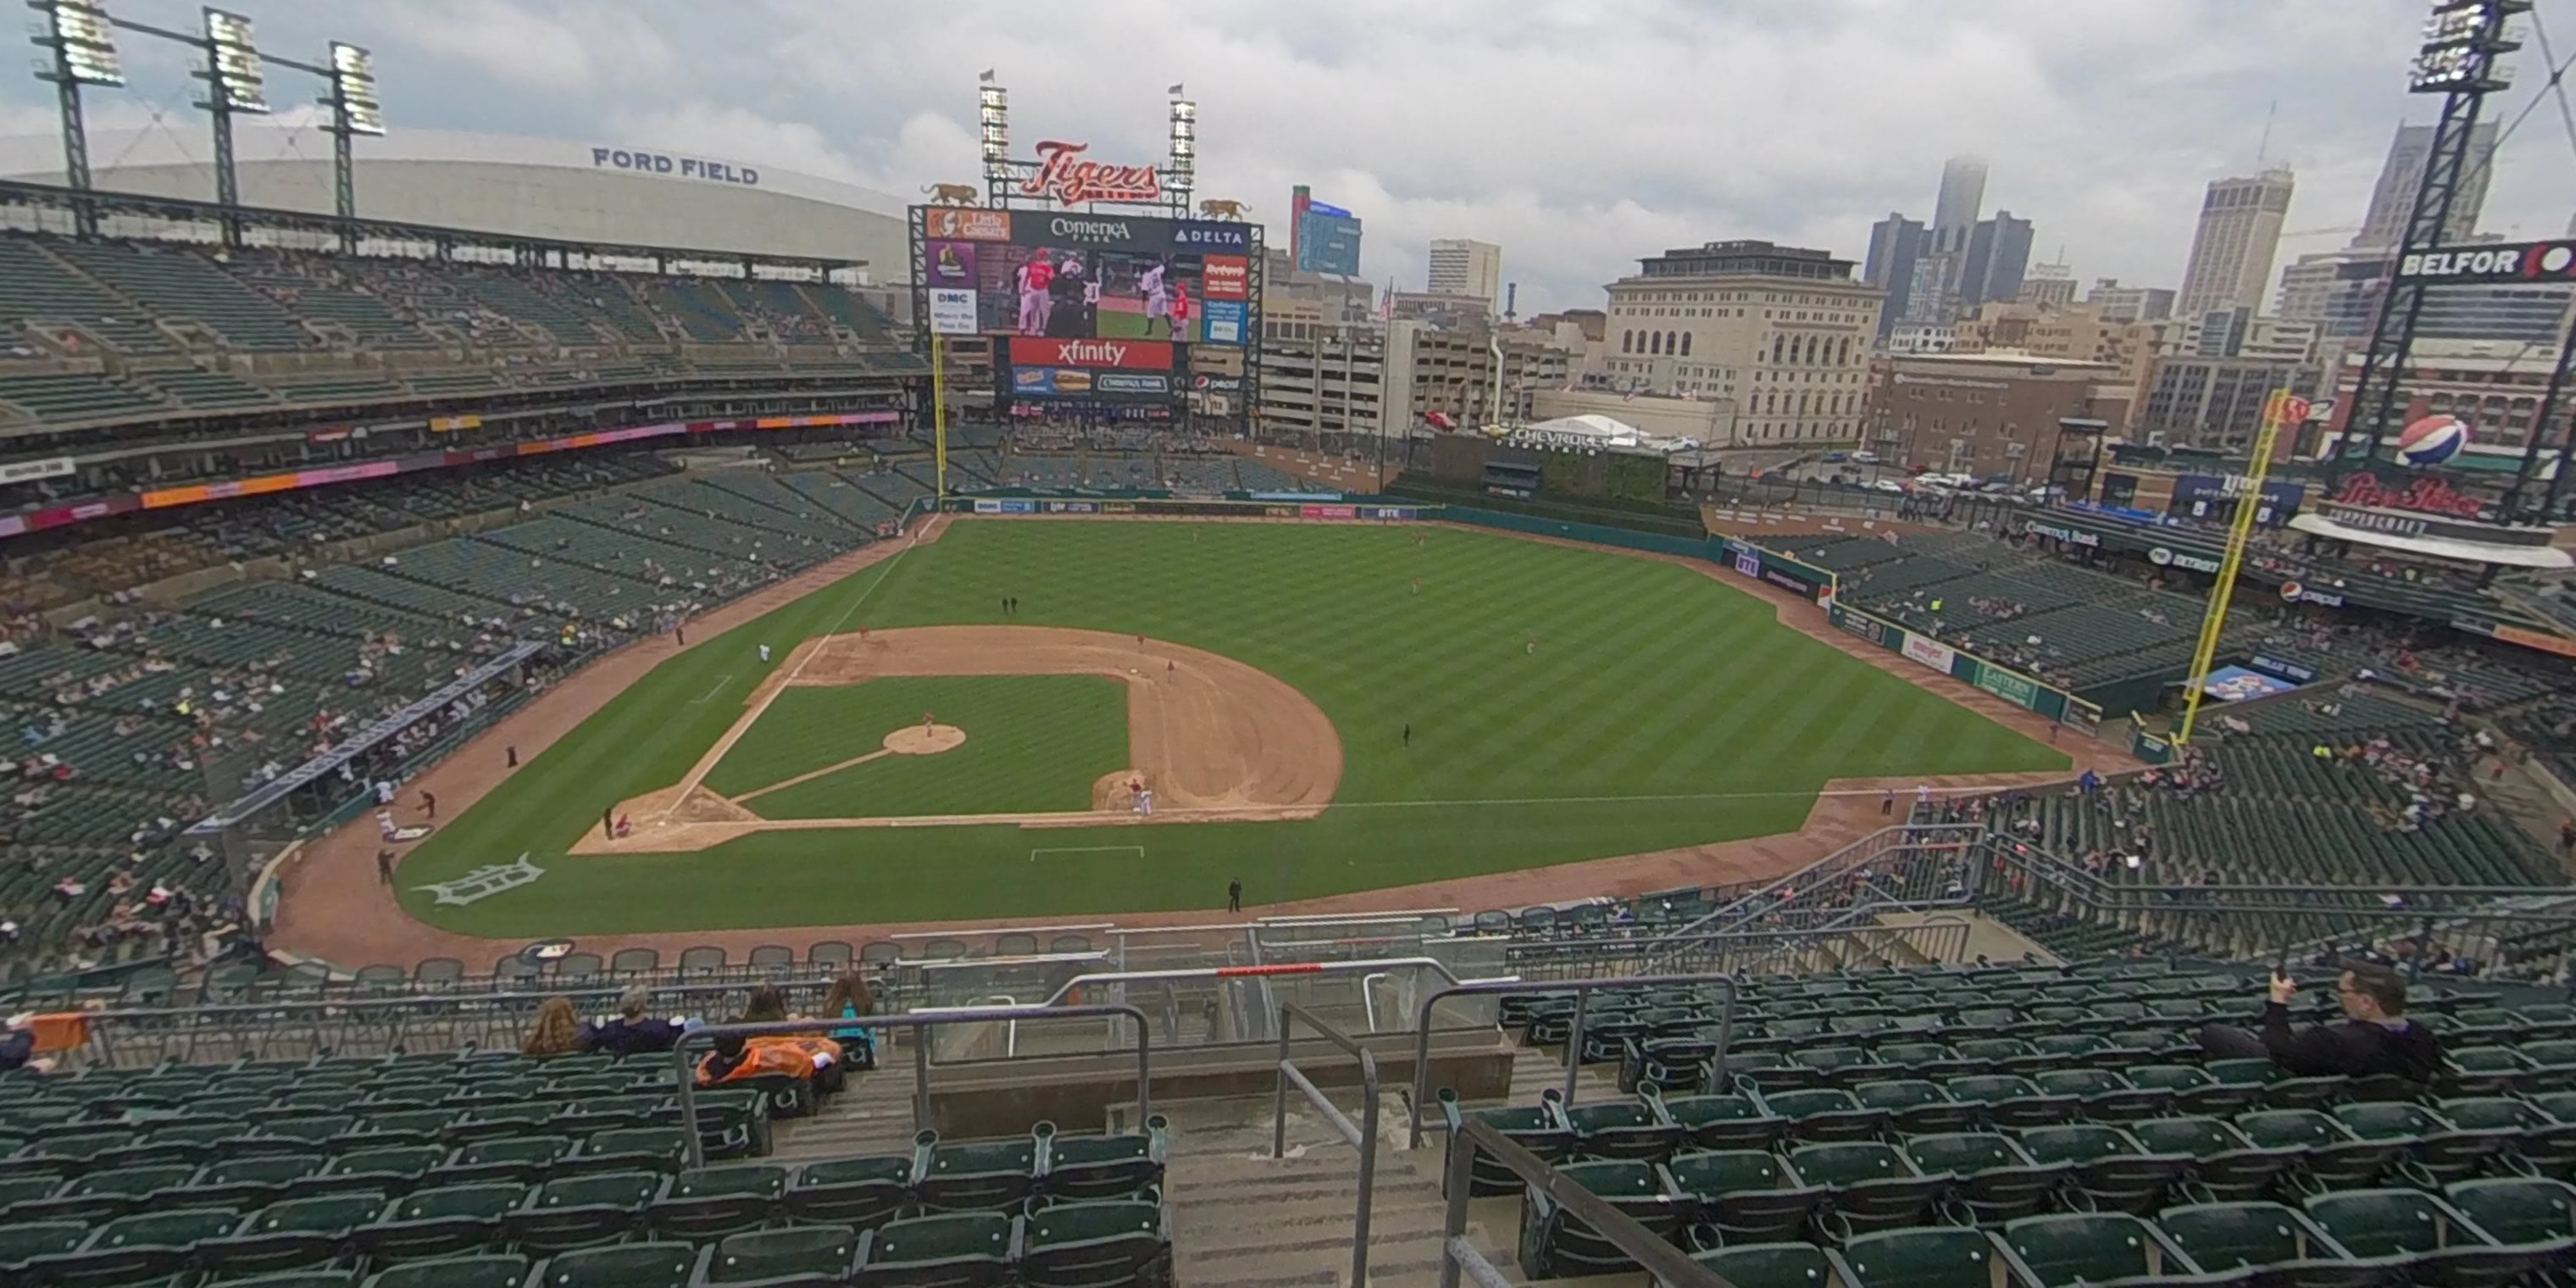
column 1463, row 267
column 1962, row 199
column 1894, row 244
column 2392, row 199
column 1998, row 255
column 2232, row 252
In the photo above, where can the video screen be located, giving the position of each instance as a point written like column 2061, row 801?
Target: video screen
column 1079, row 293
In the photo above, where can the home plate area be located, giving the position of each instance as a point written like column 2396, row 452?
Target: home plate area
column 1027, row 721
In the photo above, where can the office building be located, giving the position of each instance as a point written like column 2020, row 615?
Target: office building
column 1987, row 414
column 1998, row 256
column 1895, row 243
column 2233, row 249
column 1783, row 331
column 2496, row 388
column 2048, row 286
column 2340, row 292
column 1463, row 267
column 2129, row 303
column 2392, row 199
column 1961, row 201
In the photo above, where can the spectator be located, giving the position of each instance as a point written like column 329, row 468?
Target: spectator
column 18, row 1047
column 556, row 1031
column 768, row 1005
column 737, row 1057
column 2375, row 1039
column 633, row 1031
column 850, row 998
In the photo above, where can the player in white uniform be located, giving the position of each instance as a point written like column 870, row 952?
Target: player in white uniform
column 1158, row 299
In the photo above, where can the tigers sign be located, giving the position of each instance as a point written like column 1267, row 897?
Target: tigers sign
column 1064, row 176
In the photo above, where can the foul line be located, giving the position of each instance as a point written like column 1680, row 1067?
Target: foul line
column 1137, row 850
column 786, row 783
column 1904, row 796
column 721, row 681
column 698, row 775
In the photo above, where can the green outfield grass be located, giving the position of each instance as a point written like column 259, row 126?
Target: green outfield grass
column 1660, row 709
column 1034, row 743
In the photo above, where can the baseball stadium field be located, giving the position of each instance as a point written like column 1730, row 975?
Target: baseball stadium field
column 959, row 731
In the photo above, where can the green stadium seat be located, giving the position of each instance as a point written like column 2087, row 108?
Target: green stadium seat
column 283, row 1236
column 522, row 1160
column 862, row 1193
column 396, row 1170
column 1532, row 1127
column 1747, row 1194
column 954, row 1250
column 2330, row 1156
column 2417, row 1235
column 2108, row 1164
column 1868, row 1186
column 1946, row 1257
column 709, row 1203
column 2194, row 1091
column 2104, row 1096
column 1108, row 1165
column 439, row 1222
column 254, row 1182
column 1825, row 1114
column 2526, row 1212
column 2224, row 1165
column 2444, row 1151
column 1105, row 1244
column 23, row 1241
column 1722, row 1122
column 580, row 1211
column 133, row 1249
column 974, row 1175
column 2282, row 1247
column 1769, row 1265
column 813, row 1254
column 2010, row 1101
column 630, row 1149
column 99, row 1196
column 629, row 1265
column 1620, row 1129
column 1555, row 1244
column 1988, row 1172
column 490, row 1270
column 2065, row 1249
column 1915, row 1105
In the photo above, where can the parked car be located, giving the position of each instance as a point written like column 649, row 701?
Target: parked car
column 1865, row 457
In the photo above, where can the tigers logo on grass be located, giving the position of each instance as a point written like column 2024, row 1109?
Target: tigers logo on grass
column 484, row 882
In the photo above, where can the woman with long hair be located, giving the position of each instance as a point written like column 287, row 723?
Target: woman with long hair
column 768, row 1005
column 849, row 999
column 556, row 1030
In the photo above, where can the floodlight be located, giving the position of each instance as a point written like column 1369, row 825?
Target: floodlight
column 81, row 31
column 1185, row 134
column 239, row 83
column 2462, row 41
column 353, row 90
column 993, row 128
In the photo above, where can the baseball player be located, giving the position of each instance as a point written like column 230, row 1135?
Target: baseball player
column 1035, row 276
column 1158, row 299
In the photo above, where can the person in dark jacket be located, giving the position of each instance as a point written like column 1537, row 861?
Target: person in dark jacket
column 633, row 1031
column 2375, row 1038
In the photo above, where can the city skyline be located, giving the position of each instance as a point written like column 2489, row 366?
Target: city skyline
column 2047, row 97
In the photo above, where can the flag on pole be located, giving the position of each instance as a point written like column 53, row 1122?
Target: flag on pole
column 1175, row 90
column 985, row 76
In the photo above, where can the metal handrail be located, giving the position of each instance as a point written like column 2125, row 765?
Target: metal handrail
column 1665, row 1265
column 705, row 1038
column 1432, row 964
column 1362, row 1137
column 1582, row 989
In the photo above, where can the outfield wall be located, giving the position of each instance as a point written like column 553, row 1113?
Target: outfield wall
column 2002, row 681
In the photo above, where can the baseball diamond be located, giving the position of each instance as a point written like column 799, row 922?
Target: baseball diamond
column 1308, row 721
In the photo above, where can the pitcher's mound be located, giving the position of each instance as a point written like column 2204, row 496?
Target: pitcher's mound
column 913, row 740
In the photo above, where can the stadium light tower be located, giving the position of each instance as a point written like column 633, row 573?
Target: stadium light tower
column 993, row 134
column 2461, row 59
column 235, row 82
column 82, row 45
column 355, row 110
column 1182, row 172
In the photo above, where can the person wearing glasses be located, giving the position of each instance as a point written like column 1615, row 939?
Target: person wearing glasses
column 2374, row 1039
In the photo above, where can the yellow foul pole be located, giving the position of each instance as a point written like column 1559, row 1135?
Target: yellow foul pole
column 939, row 414
column 2281, row 408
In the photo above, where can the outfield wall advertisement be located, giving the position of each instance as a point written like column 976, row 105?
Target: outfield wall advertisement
column 2003, row 682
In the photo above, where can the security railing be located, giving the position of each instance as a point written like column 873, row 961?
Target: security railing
column 1362, row 1137
column 1582, row 990
column 1662, row 1262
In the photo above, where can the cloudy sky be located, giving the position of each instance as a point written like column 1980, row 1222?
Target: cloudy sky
column 1578, row 135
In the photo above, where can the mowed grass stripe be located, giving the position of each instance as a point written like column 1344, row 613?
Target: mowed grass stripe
column 1650, row 679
